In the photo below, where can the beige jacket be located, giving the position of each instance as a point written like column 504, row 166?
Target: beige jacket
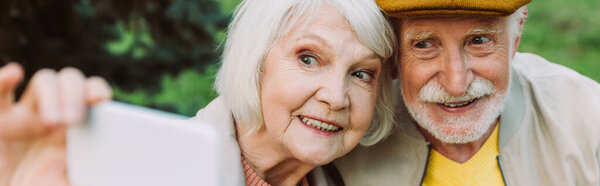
column 549, row 134
column 232, row 174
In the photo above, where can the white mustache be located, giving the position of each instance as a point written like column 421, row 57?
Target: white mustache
column 435, row 93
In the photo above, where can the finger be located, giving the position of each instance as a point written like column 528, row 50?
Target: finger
column 41, row 95
column 72, row 103
column 10, row 76
column 97, row 90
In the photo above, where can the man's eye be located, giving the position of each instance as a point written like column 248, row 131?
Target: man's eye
column 424, row 44
column 308, row 60
column 478, row 40
column 365, row 76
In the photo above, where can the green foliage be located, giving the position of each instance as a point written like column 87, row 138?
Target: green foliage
column 184, row 94
column 131, row 43
column 565, row 32
column 137, row 45
column 229, row 5
column 127, row 40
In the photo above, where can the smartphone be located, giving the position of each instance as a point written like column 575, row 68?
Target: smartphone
column 127, row 145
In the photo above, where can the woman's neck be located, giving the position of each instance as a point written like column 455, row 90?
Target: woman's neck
column 268, row 158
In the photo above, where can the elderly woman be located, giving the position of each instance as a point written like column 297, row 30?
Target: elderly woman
column 302, row 82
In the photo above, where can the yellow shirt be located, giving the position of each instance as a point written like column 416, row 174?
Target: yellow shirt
column 481, row 169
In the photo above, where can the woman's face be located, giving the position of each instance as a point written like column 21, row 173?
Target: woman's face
column 318, row 89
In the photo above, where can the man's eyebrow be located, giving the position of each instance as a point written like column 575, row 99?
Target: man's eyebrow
column 486, row 29
column 414, row 35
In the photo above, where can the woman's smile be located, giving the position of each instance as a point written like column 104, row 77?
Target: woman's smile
column 323, row 127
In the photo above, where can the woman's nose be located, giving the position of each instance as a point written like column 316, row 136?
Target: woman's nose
column 333, row 92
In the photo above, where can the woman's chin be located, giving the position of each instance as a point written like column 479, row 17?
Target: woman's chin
column 315, row 155
column 313, row 148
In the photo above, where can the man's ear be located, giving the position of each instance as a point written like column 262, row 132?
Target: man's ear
column 518, row 38
column 516, row 45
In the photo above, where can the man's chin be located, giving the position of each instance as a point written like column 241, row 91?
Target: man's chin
column 458, row 135
column 458, row 129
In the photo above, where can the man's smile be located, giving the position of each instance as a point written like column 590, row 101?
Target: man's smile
column 456, row 107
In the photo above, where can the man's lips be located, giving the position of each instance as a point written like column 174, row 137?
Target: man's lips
column 458, row 106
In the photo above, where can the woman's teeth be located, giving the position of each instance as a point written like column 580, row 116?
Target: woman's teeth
column 319, row 125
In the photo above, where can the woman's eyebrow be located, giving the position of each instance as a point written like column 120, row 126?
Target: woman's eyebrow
column 315, row 37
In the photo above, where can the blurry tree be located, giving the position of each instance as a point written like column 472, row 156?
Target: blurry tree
column 132, row 43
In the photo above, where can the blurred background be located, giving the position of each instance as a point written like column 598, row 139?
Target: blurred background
column 164, row 53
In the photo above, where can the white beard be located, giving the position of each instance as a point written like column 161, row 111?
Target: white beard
column 458, row 129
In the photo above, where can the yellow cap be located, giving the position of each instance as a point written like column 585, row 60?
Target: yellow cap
column 427, row 8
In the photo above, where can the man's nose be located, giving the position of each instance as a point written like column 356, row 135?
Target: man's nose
column 334, row 91
column 456, row 73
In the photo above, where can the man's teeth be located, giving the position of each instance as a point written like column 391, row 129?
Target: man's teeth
column 319, row 125
column 457, row 105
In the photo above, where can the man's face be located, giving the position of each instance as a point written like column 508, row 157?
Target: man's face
column 454, row 74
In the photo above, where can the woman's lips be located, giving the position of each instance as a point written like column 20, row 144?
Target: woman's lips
column 324, row 126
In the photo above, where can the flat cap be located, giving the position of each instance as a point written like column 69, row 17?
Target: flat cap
column 427, row 8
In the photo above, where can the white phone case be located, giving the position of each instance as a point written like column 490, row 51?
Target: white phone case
column 126, row 145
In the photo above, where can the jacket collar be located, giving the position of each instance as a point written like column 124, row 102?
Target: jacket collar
column 514, row 109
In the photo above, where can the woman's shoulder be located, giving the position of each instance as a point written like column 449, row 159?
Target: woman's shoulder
column 216, row 112
column 218, row 115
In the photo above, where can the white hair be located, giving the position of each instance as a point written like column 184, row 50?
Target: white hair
column 258, row 24
column 515, row 26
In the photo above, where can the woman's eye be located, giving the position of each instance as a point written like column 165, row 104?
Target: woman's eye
column 308, row 60
column 365, row 76
column 478, row 40
column 424, row 44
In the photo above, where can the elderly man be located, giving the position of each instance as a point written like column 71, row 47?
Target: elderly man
column 482, row 114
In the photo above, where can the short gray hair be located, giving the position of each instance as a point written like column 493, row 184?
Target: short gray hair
column 515, row 28
column 258, row 24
